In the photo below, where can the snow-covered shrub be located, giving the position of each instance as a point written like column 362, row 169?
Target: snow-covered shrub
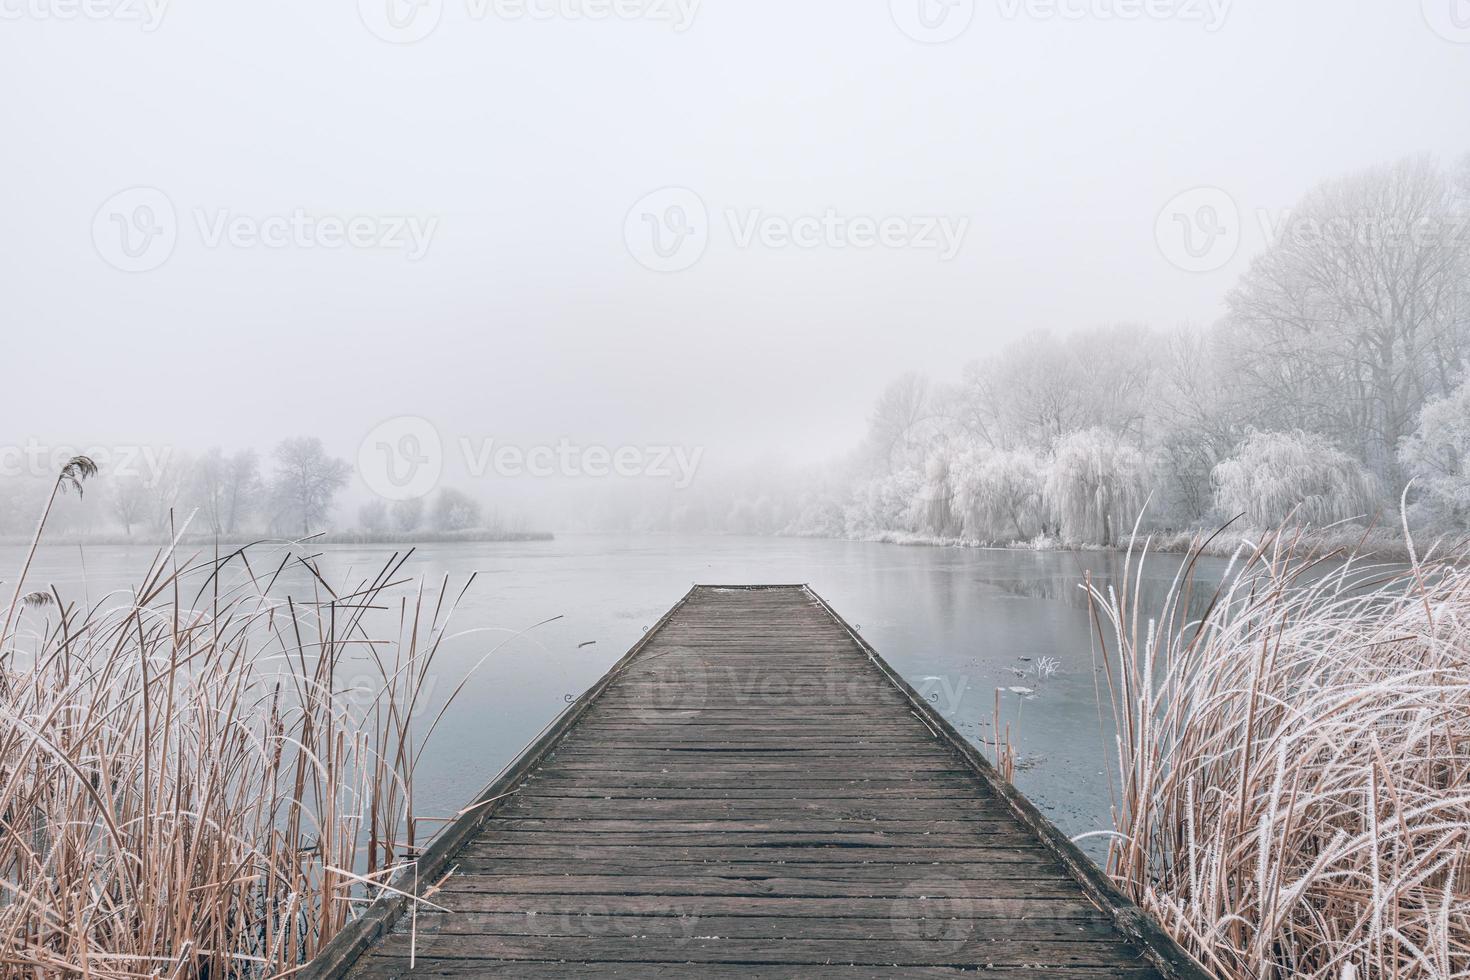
column 885, row 504
column 819, row 515
column 454, row 510
column 1437, row 456
column 1095, row 487
column 998, row 495
column 758, row 515
column 1273, row 475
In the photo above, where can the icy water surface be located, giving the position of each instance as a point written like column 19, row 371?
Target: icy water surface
column 958, row 623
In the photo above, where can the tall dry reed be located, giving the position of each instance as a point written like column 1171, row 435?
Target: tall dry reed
column 1293, row 765
column 198, row 778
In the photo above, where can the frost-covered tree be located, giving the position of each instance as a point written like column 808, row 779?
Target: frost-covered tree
column 1437, row 457
column 1192, row 426
column 1028, row 395
column 305, row 482
column 128, row 499
column 1301, row 475
column 408, row 514
column 167, row 485
column 1348, row 323
column 902, row 425
column 998, row 495
column 373, row 516
column 934, row 507
column 1095, row 487
column 454, row 510
column 224, row 489
column 885, row 504
column 1045, row 386
column 819, row 515
column 757, row 515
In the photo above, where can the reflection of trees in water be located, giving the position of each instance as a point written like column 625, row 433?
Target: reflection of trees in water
column 1110, row 571
column 1067, row 587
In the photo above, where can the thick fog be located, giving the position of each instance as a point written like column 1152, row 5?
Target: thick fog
column 692, row 226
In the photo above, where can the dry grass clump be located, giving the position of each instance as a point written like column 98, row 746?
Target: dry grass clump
column 1293, row 793
column 198, row 778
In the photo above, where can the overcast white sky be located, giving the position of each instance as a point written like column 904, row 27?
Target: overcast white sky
column 530, row 318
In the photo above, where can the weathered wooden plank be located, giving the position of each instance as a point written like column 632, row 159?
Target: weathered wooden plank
column 753, row 793
column 827, row 808
column 678, row 924
column 765, row 790
column 856, row 842
column 639, row 855
column 791, row 824
column 796, row 884
column 398, row 969
column 981, row 907
column 917, row 951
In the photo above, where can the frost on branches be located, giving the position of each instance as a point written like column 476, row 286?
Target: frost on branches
column 1276, row 475
column 1095, row 487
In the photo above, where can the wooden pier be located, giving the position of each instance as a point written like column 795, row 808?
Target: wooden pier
column 753, row 792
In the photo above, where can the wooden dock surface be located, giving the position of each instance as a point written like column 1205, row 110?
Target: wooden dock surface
column 753, row 793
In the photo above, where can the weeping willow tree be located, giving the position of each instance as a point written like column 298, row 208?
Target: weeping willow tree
column 934, row 510
column 1301, row 475
column 1095, row 487
column 997, row 495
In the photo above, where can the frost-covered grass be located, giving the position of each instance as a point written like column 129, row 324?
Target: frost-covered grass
column 197, row 777
column 1293, row 770
column 1348, row 539
column 1379, row 543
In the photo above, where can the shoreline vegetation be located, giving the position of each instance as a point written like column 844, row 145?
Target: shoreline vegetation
column 1360, row 543
column 202, row 776
column 1290, row 777
column 327, row 537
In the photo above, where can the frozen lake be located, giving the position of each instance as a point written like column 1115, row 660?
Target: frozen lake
column 959, row 623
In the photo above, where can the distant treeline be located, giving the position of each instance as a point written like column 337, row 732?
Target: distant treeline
column 1335, row 378
column 238, row 497
column 332, row 537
